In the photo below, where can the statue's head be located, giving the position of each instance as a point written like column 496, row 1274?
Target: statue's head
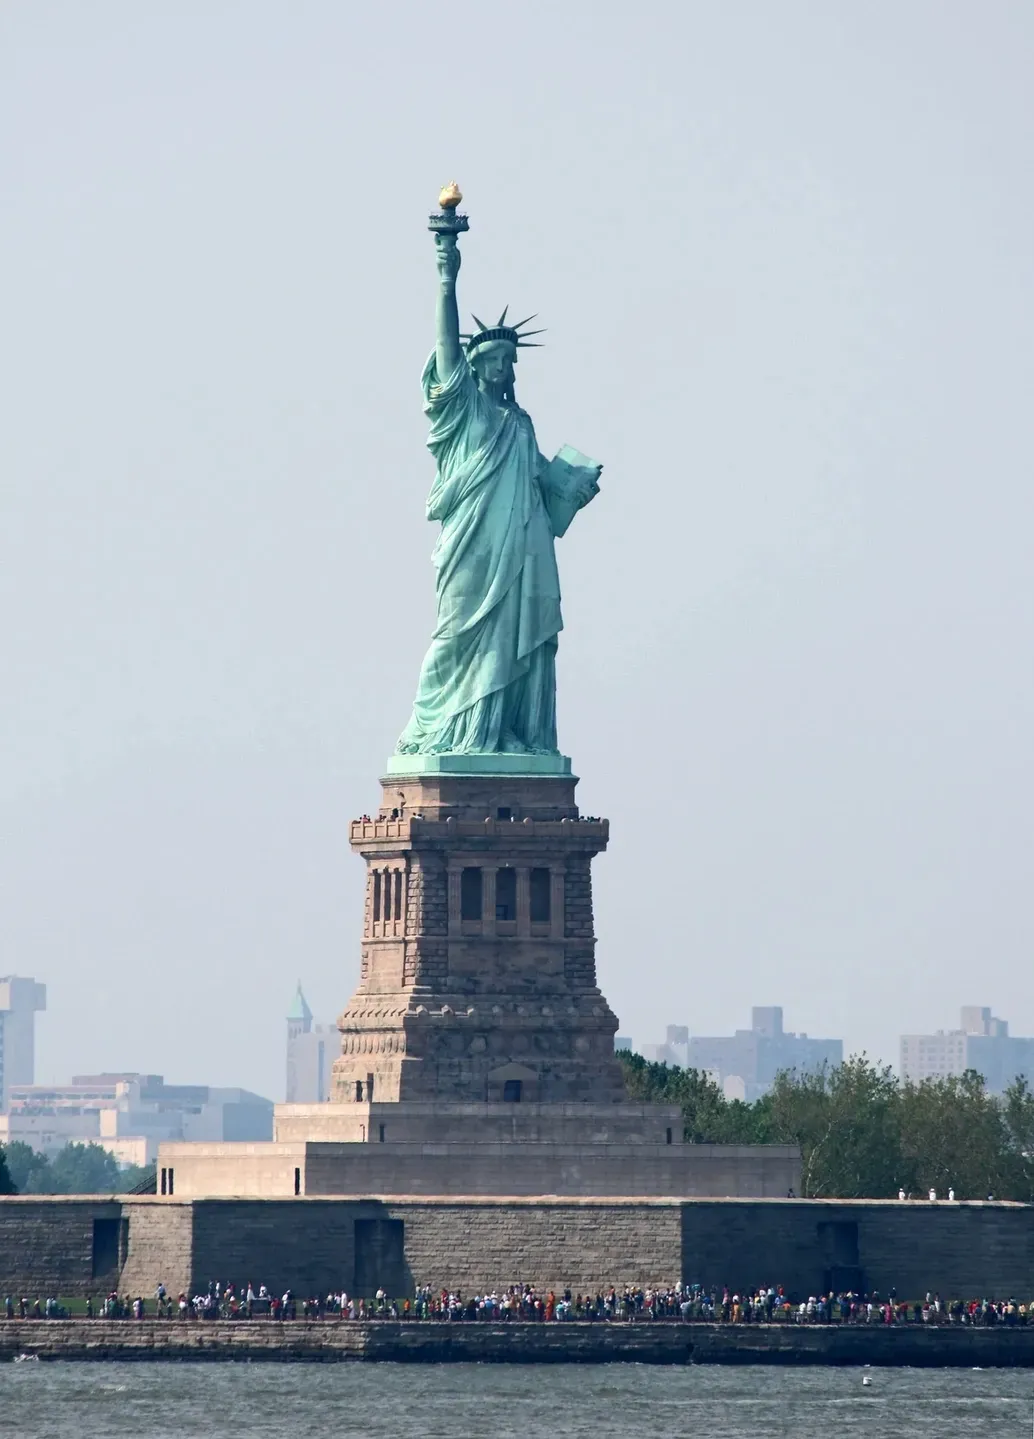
column 493, row 363
column 492, row 352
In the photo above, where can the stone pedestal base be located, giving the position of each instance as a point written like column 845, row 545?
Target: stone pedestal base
column 501, row 1168
column 478, row 973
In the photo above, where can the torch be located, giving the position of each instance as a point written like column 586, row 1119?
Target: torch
column 447, row 221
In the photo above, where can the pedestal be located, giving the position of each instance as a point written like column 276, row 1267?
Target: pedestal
column 478, row 972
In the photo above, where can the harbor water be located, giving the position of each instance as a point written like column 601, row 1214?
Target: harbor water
column 70, row 1400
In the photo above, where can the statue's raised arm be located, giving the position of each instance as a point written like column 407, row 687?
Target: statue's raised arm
column 448, row 347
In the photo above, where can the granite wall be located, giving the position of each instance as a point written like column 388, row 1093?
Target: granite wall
column 78, row 1246
column 60, row 1245
column 960, row 1249
column 917, row 1345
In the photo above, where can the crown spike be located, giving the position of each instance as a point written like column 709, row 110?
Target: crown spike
column 524, row 322
column 502, row 318
column 480, row 323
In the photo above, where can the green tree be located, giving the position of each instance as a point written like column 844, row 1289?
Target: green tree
column 135, row 1175
column 846, row 1121
column 860, row 1132
column 26, row 1167
column 7, row 1184
column 707, row 1116
column 700, row 1099
column 1017, row 1105
column 953, row 1135
column 82, row 1169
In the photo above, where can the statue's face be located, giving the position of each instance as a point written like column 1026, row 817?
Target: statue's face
column 493, row 363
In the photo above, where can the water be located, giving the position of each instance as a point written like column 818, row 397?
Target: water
column 498, row 1401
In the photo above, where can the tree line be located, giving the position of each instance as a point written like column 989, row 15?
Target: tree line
column 75, row 1169
column 863, row 1133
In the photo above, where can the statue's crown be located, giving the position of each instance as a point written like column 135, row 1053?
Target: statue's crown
column 502, row 331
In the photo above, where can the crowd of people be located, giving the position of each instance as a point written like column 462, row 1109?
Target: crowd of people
column 527, row 1304
column 694, row 1303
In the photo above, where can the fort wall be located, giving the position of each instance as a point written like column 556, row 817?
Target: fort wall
column 78, row 1246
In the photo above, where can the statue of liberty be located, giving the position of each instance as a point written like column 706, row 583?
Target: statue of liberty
column 488, row 682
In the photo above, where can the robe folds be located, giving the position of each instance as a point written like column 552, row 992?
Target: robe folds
column 488, row 682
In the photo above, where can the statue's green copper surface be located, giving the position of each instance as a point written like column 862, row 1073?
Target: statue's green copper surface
column 488, row 682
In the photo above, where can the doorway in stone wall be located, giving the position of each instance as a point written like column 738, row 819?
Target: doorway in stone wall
column 380, row 1258
column 841, row 1266
column 105, row 1255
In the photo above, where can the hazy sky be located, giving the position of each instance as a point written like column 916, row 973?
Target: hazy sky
column 785, row 252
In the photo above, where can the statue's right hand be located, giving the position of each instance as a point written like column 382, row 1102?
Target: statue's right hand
column 447, row 253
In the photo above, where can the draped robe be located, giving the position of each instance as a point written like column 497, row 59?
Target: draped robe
column 488, row 682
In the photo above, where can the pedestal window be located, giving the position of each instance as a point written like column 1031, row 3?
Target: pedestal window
column 540, row 896
column 470, row 894
column 506, row 894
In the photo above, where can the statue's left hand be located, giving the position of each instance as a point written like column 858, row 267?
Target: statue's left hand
column 590, row 487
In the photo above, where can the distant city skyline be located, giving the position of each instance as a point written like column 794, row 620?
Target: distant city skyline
column 745, row 1064
column 982, row 1042
column 129, row 1115
column 126, row 1112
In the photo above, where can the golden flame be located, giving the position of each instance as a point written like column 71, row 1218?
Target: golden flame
column 450, row 197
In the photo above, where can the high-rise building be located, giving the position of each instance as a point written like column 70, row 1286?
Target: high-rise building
column 674, row 1050
column 20, row 1001
column 311, row 1051
column 746, row 1063
column 981, row 1042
